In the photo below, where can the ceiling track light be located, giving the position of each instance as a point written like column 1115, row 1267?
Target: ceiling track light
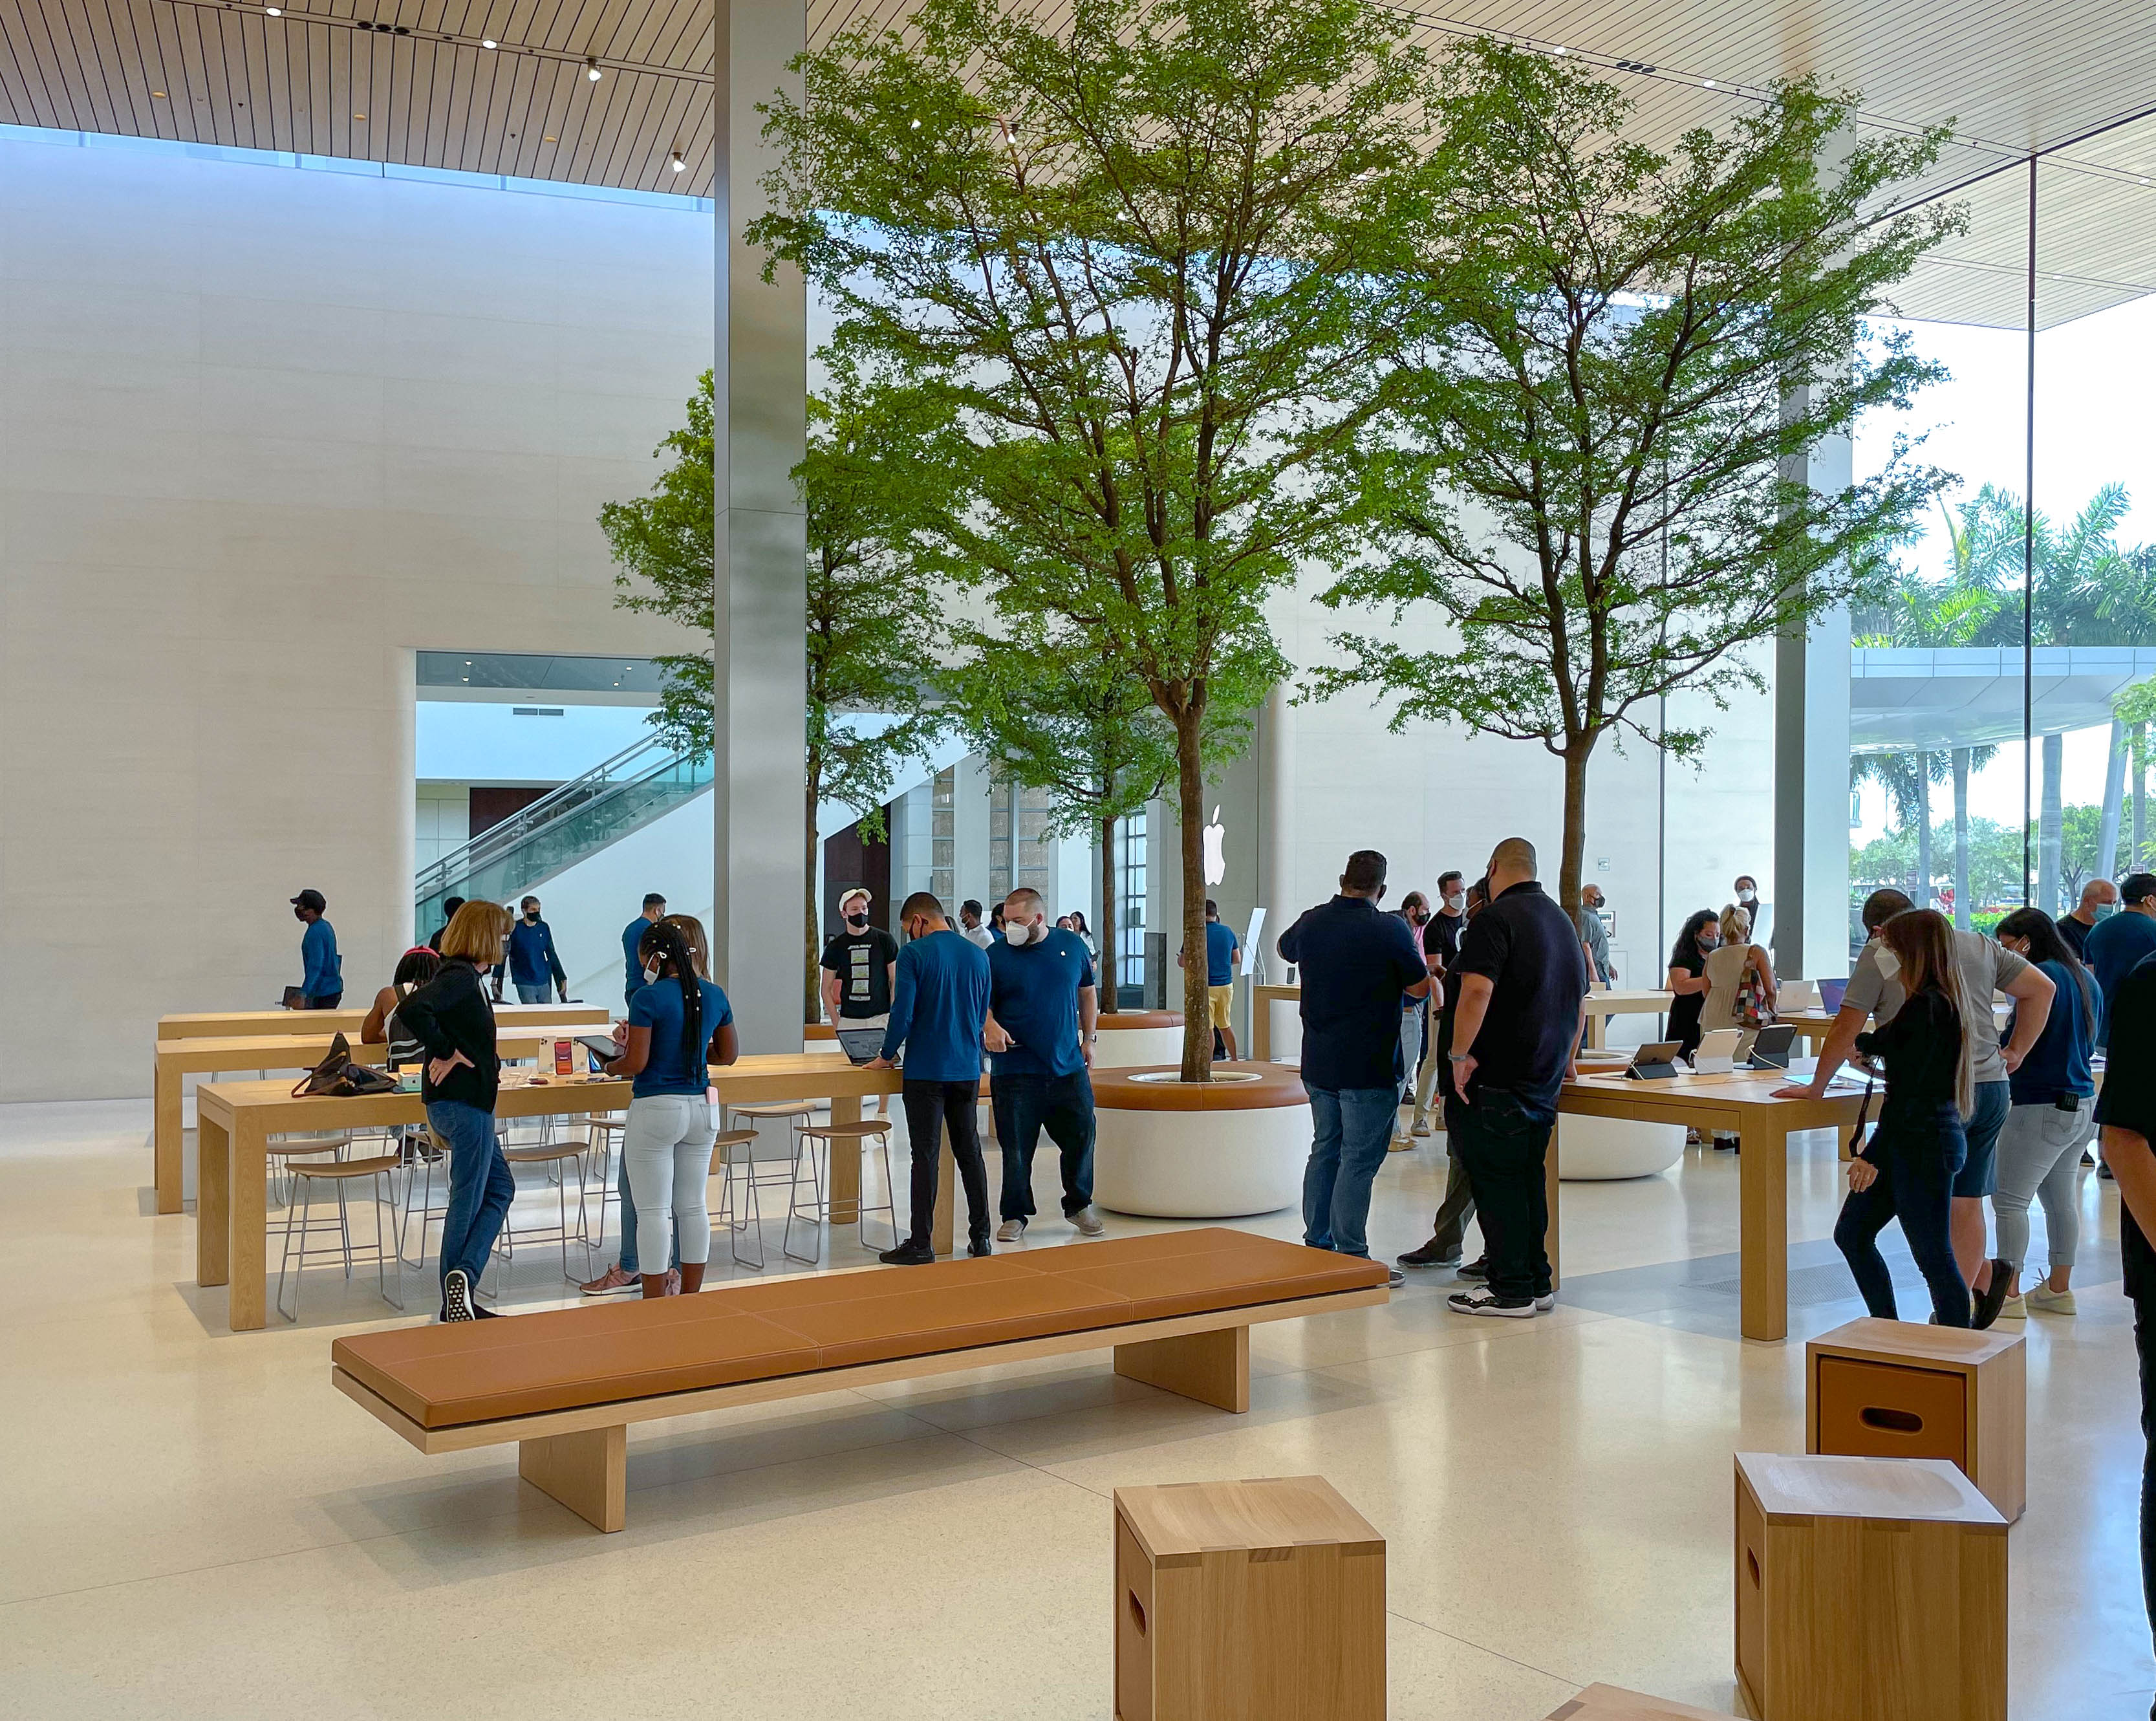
column 591, row 68
column 680, row 165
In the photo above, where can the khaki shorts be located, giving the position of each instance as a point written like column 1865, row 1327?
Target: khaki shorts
column 1223, row 997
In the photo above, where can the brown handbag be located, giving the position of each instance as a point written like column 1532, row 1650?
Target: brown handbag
column 338, row 1077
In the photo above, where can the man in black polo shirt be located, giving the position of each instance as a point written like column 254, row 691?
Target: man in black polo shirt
column 1522, row 1007
column 1356, row 963
column 2126, row 1117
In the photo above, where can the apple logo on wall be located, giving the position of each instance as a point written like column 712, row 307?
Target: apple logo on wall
column 1216, row 855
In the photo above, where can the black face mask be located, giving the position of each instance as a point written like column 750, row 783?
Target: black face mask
column 299, row 915
column 857, row 921
column 531, row 917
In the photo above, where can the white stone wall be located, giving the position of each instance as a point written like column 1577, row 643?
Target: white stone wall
column 264, row 433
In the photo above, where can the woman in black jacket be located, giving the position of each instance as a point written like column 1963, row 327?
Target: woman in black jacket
column 452, row 1020
column 1906, row 1170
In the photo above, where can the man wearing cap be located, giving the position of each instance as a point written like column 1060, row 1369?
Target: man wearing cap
column 321, row 982
column 860, row 966
column 632, row 939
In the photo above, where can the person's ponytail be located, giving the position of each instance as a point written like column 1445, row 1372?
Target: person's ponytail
column 666, row 941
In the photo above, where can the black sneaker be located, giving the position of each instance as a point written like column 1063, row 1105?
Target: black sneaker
column 1481, row 1302
column 1985, row 1304
column 980, row 1246
column 1475, row 1271
column 1395, row 1278
column 1429, row 1255
column 456, row 1295
column 908, row 1254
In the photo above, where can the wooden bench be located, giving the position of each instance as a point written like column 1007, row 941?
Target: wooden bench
column 1176, row 1307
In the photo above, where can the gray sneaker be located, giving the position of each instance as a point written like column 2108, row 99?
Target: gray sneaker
column 1010, row 1231
column 1089, row 1221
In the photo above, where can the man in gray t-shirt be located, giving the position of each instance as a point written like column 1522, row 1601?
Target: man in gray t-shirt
column 1986, row 967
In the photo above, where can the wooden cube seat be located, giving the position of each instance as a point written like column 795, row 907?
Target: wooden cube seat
column 1611, row 1702
column 1177, row 1306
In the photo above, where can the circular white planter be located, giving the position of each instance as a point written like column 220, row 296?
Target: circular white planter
column 1231, row 1148
column 1132, row 1039
column 1604, row 1149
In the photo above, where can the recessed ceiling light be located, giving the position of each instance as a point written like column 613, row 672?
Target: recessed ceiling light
column 275, row 11
column 592, row 68
column 359, row 116
column 550, row 140
column 156, row 95
column 1707, row 82
column 1560, row 52
column 489, row 42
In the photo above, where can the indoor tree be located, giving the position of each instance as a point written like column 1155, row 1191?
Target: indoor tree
column 1149, row 255
column 1599, row 475
column 869, row 489
column 1052, row 715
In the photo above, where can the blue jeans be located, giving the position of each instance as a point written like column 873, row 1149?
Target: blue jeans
column 481, row 1187
column 628, row 1262
column 1504, row 1143
column 1917, row 1159
column 1352, row 1129
column 1023, row 1105
column 540, row 994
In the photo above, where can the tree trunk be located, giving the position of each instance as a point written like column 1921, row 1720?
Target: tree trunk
column 1107, row 971
column 2114, row 797
column 2050, row 830
column 1921, row 895
column 1572, row 861
column 2133, row 861
column 812, row 1001
column 1962, row 905
column 1190, row 804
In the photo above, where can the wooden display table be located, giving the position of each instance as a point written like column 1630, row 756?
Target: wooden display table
column 1262, row 999
column 1894, row 1390
column 178, row 1059
column 1741, row 1104
column 236, row 1119
column 1259, row 1600
column 232, row 1024
column 1600, row 1007
column 1868, row 1589
column 1607, row 1702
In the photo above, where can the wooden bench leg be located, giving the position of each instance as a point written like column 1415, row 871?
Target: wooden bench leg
column 1212, row 1368
column 586, row 1472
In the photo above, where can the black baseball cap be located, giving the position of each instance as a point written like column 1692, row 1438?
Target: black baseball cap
column 310, row 899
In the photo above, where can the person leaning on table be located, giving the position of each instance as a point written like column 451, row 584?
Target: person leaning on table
column 1985, row 967
column 453, row 1020
column 679, row 1022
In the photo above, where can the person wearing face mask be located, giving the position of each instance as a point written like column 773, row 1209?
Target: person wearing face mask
column 1440, row 943
column 1043, row 1002
column 1595, row 935
column 939, row 1015
column 1745, row 895
column 632, row 944
column 970, row 927
column 1449, row 1225
column 859, row 965
column 1876, row 991
column 2099, row 901
column 322, row 981
column 1697, row 939
column 533, row 961
column 2119, row 945
column 1355, row 962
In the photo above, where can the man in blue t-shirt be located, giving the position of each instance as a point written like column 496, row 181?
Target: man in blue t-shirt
column 1223, row 955
column 632, row 936
column 533, row 960
column 1042, row 1006
column 939, row 1008
column 1356, row 965
column 2117, row 946
column 321, row 980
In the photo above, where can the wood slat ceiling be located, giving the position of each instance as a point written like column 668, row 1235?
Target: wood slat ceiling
column 409, row 81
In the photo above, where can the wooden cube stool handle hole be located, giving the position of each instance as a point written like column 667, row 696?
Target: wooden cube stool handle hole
column 1138, row 1613
column 1897, row 1421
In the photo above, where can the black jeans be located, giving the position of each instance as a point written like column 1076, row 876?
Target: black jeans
column 2144, row 1348
column 932, row 1107
column 1023, row 1105
column 1504, row 1143
column 325, row 1000
column 1448, row 1227
column 1917, row 1159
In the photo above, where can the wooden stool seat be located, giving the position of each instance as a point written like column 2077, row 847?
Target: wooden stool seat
column 775, row 1108
column 545, row 1153
column 733, row 1138
column 341, row 1169
column 848, row 1132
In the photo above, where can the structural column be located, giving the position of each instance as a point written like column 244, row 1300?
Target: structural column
column 1810, row 887
column 759, row 432
column 1275, row 846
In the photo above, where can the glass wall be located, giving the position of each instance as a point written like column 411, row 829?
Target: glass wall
column 1993, row 701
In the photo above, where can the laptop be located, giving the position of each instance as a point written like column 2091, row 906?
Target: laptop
column 861, row 1045
column 1830, row 992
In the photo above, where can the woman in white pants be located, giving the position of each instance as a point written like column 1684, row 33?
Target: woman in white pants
column 678, row 1022
column 2040, row 1146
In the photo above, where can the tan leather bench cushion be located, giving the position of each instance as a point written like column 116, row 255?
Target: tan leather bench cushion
column 447, row 1376
column 1275, row 1085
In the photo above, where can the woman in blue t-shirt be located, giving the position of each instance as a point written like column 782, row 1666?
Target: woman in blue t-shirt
column 678, row 1021
column 2053, row 1092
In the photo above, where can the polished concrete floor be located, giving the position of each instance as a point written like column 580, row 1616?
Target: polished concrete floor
column 196, row 1525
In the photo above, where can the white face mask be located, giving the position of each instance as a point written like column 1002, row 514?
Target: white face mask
column 651, row 974
column 1889, row 964
column 1022, row 933
column 1456, row 902
column 1747, row 895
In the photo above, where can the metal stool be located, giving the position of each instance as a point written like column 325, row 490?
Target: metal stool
column 299, row 1217
column 830, row 1137
column 285, row 1150
column 423, row 1159
column 724, row 1146
column 793, row 1113
column 602, row 1138
column 555, row 1155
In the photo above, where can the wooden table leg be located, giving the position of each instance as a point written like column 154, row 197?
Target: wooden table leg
column 1262, row 1028
column 1212, row 1368
column 213, row 1205
column 1763, row 1229
column 1598, row 1029
column 846, row 1203
column 587, row 1471
column 245, row 1299
column 165, row 1138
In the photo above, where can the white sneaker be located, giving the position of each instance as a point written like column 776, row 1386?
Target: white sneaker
column 1421, row 1128
column 2055, row 1303
column 1545, row 1302
column 1010, row 1231
column 1089, row 1221
column 2015, row 1309
column 1402, row 1144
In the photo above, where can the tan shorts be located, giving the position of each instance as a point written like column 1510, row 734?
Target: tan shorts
column 1221, row 997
